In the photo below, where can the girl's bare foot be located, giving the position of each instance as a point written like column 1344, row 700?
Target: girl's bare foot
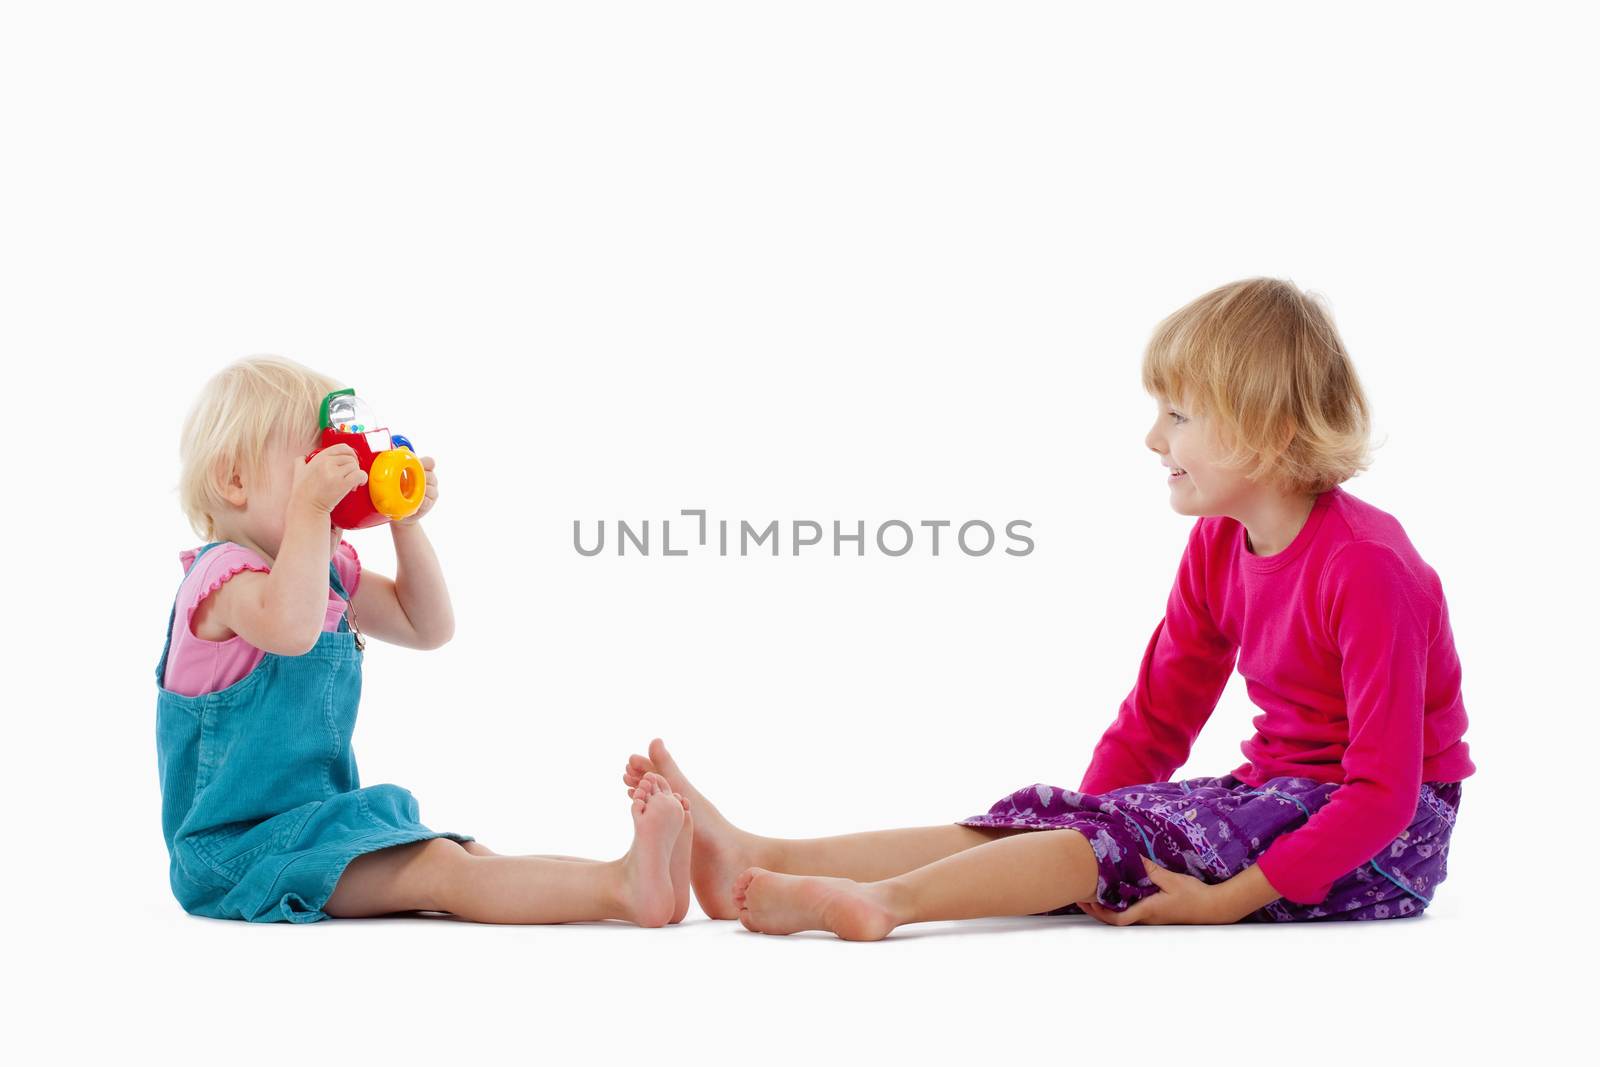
column 720, row 850
column 771, row 903
column 647, row 890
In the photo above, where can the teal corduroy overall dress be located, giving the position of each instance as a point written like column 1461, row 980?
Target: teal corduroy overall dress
column 261, row 803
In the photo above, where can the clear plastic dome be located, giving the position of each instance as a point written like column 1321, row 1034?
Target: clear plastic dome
column 350, row 414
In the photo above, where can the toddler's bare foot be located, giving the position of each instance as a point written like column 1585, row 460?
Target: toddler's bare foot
column 720, row 850
column 771, row 903
column 681, row 851
column 649, row 784
column 647, row 891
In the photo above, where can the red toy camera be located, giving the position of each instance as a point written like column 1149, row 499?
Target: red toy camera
column 395, row 478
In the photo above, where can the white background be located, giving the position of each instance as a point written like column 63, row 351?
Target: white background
column 853, row 261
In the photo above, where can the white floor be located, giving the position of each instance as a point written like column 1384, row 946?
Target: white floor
column 1457, row 981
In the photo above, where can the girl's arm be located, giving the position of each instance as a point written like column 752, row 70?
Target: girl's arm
column 1185, row 668
column 1383, row 620
column 414, row 609
column 1244, row 894
column 282, row 612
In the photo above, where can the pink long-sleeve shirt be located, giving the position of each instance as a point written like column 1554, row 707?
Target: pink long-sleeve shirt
column 1344, row 642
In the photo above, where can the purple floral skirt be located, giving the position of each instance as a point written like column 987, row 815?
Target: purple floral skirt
column 1213, row 828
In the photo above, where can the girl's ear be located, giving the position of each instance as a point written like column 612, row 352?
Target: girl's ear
column 233, row 488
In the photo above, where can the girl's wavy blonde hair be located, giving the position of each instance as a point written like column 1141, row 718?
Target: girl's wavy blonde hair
column 1263, row 362
column 239, row 413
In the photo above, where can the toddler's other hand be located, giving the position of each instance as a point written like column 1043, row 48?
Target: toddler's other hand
column 325, row 480
column 430, row 494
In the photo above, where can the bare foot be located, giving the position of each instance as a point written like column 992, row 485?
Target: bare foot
column 720, row 849
column 771, row 903
column 681, row 851
column 647, row 890
column 650, row 784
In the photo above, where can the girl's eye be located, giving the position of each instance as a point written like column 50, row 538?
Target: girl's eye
column 1175, row 415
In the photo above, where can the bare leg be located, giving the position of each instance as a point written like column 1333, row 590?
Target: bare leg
column 1024, row 875
column 873, row 854
column 681, row 850
column 478, row 848
column 722, row 851
column 442, row 875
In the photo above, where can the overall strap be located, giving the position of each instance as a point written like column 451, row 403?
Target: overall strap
column 338, row 587
column 161, row 668
column 349, row 609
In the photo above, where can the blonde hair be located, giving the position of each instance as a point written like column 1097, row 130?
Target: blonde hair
column 1263, row 362
column 238, row 414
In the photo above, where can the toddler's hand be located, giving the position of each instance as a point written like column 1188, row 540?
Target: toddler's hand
column 327, row 478
column 430, row 493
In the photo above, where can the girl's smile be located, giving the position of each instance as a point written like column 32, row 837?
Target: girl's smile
column 1172, row 433
column 1201, row 485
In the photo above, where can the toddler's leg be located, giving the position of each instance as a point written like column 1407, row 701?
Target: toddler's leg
column 1025, row 874
column 722, row 851
column 441, row 875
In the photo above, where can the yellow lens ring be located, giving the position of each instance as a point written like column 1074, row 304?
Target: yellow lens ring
column 396, row 482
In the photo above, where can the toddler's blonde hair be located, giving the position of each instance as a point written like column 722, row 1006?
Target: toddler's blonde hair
column 1263, row 362
column 238, row 414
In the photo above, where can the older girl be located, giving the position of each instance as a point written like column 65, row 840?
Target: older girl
column 1344, row 806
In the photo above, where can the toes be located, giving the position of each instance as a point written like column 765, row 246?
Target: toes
column 683, row 800
column 746, row 921
column 741, row 885
column 661, row 758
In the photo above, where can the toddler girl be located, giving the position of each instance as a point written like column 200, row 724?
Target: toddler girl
column 1345, row 804
column 263, row 811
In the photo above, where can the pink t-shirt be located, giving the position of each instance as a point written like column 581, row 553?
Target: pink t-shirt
column 1344, row 642
column 196, row 666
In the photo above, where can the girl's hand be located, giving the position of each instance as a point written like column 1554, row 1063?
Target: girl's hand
column 324, row 480
column 1183, row 899
column 430, row 494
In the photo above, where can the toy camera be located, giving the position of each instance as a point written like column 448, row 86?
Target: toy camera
column 395, row 478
